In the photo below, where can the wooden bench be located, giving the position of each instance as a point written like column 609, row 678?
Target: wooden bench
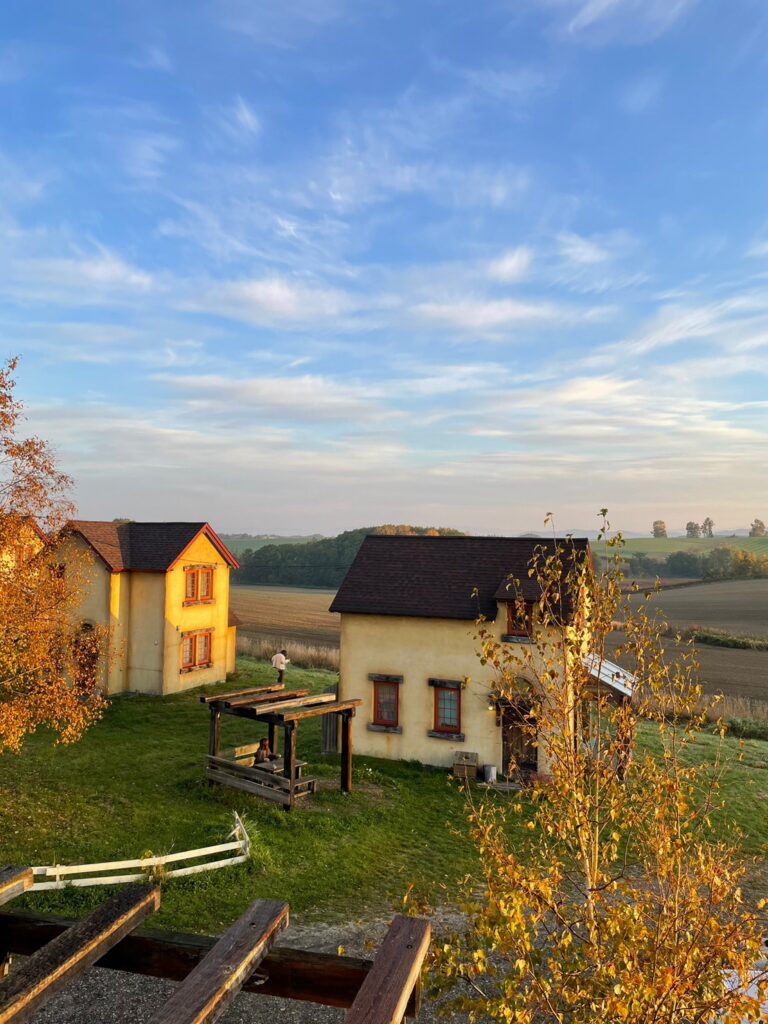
column 263, row 780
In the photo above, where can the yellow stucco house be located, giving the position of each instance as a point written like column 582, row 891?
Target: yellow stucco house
column 162, row 591
column 408, row 610
column 29, row 540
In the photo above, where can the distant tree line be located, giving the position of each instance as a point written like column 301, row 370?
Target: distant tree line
column 705, row 528
column 723, row 563
column 321, row 563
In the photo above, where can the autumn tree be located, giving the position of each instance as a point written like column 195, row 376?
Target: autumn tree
column 707, row 527
column 692, row 530
column 757, row 528
column 48, row 662
column 659, row 528
column 604, row 892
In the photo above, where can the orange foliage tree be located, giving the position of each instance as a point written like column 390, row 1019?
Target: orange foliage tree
column 48, row 662
column 621, row 902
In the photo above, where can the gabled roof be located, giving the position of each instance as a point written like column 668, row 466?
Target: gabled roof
column 435, row 577
column 144, row 547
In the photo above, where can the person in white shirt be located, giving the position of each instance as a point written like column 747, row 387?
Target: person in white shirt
column 279, row 662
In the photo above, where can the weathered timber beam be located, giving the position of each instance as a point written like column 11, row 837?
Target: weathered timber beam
column 264, row 698
column 385, row 994
column 209, row 989
column 323, row 978
column 213, row 698
column 14, row 882
column 72, row 952
column 326, row 709
column 283, row 707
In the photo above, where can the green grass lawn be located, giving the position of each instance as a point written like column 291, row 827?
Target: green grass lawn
column 135, row 784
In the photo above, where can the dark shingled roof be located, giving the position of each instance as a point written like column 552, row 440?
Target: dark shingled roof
column 434, row 577
column 143, row 547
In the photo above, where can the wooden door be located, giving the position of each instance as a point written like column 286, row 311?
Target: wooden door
column 517, row 743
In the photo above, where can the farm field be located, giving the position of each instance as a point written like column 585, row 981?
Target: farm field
column 663, row 546
column 286, row 613
column 738, row 606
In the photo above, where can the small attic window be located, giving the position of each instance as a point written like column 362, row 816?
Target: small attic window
column 519, row 620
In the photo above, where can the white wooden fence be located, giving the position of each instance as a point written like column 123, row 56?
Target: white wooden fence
column 59, row 876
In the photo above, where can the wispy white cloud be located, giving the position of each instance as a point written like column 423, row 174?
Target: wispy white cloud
column 238, row 122
column 512, row 265
column 153, row 58
column 145, row 154
column 282, row 25
column 296, row 398
column 583, row 251
column 641, row 93
column 510, row 85
column 490, row 315
column 272, row 300
column 94, row 277
column 626, row 21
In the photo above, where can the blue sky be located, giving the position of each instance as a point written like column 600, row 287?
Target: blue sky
column 306, row 266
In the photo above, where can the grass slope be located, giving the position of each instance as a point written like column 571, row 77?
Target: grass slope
column 134, row 783
column 663, row 546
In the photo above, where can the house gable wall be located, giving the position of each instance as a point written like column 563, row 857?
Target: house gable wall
column 180, row 619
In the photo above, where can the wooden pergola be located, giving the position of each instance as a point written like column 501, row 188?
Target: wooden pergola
column 279, row 709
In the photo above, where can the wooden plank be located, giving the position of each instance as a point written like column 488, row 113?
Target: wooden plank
column 255, row 773
column 279, row 707
column 340, row 705
column 384, row 995
column 263, row 698
column 71, row 953
column 266, row 792
column 207, row 991
column 346, row 751
column 272, row 737
column 323, row 978
column 13, row 882
column 240, row 693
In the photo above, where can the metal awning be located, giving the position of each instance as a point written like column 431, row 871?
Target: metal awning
column 609, row 674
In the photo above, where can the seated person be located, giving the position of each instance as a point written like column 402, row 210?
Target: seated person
column 264, row 753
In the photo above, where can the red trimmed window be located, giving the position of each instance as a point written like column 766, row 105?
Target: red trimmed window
column 447, row 709
column 196, row 650
column 386, row 703
column 519, row 623
column 198, row 585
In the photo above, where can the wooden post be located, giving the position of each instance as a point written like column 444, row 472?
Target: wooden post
column 289, row 759
column 214, row 743
column 214, row 737
column 346, row 751
column 272, row 737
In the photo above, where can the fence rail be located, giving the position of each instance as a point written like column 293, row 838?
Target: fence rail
column 60, row 876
